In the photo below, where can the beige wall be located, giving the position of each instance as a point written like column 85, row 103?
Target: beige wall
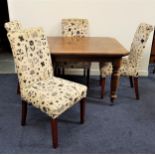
column 115, row 18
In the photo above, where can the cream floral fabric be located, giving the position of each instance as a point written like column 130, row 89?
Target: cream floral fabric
column 54, row 96
column 34, row 67
column 13, row 26
column 74, row 27
column 130, row 64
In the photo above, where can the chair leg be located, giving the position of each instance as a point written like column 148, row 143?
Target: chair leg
column 102, row 87
column 100, row 81
column 136, row 87
column 153, row 70
column 58, row 71
column 63, row 71
column 82, row 110
column 84, row 72
column 18, row 89
column 54, row 132
column 24, row 113
column 131, row 81
column 88, row 77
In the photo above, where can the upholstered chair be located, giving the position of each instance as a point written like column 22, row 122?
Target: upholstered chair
column 14, row 25
column 75, row 28
column 52, row 95
column 129, row 66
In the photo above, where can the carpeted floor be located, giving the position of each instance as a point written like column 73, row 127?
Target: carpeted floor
column 126, row 127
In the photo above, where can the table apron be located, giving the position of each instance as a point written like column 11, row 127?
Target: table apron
column 95, row 58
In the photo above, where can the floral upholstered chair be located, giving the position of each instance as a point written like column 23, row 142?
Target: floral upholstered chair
column 14, row 25
column 130, row 65
column 75, row 28
column 38, row 86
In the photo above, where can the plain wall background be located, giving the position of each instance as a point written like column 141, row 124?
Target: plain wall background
column 115, row 18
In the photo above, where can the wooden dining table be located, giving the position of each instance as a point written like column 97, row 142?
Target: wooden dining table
column 89, row 49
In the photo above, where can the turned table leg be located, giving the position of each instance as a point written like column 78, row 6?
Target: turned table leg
column 115, row 78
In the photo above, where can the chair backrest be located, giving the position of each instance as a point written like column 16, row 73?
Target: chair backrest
column 74, row 27
column 138, row 44
column 31, row 55
column 14, row 25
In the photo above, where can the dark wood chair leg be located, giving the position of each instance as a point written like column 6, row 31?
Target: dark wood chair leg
column 102, row 87
column 63, row 71
column 24, row 113
column 131, row 81
column 136, row 87
column 84, row 72
column 55, row 71
column 18, row 89
column 100, row 80
column 58, row 71
column 153, row 70
column 82, row 110
column 88, row 77
column 54, row 131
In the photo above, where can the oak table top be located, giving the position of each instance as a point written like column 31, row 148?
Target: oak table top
column 104, row 46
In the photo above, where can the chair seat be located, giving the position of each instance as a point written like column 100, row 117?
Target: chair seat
column 54, row 96
column 126, row 69
column 85, row 65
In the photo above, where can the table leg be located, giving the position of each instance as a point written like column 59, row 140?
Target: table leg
column 115, row 78
column 54, row 66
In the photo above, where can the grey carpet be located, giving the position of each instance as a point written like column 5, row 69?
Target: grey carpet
column 126, row 127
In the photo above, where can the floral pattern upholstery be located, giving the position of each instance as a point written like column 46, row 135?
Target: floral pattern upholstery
column 74, row 27
column 130, row 64
column 14, row 25
column 34, row 67
column 54, row 96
